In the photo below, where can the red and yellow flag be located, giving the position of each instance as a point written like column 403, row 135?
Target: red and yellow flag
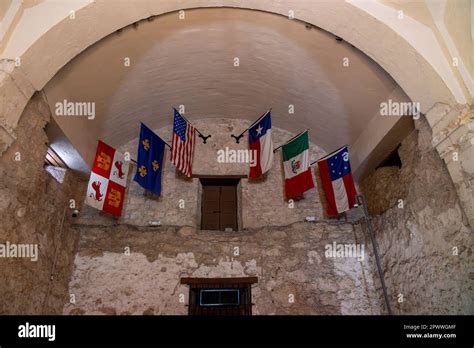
column 106, row 187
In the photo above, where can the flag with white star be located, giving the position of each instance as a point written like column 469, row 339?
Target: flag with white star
column 182, row 148
column 338, row 184
column 260, row 143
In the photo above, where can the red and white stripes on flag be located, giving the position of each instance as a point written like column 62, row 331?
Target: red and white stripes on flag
column 338, row 184
column 182, row 147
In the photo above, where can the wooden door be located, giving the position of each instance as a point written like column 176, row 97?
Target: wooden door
column 219, row 204
column 228, row 208
column 211, row 207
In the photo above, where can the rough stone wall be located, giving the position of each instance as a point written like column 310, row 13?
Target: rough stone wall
column 426, row 247
column 453, row 137
column 32, row 204
column 384, row 189
column 287, row 261
column 259, row 200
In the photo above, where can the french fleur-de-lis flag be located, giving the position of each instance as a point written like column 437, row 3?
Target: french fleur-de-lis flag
column 151, row 149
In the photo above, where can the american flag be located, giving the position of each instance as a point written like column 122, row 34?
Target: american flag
column 182, row 147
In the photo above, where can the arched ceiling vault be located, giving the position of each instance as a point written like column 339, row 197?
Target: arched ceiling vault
column 281, row 65
column 412, row 56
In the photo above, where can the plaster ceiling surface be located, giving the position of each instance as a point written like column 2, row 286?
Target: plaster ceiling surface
column 191, row 62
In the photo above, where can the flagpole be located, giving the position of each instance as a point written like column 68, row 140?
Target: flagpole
column 296, row 136
column 327, row 155
column 202, row 136
column 376, row 252
column 238, row 137
column 157, row 135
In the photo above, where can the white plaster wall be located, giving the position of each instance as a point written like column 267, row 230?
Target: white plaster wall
column 190, row 62
column 330, row 15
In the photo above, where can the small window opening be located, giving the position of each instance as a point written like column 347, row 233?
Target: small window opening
column 220, row 296
column 54, row 165
column 392, row 160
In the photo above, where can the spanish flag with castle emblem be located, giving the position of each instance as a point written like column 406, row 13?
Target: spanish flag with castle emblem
column 108, row 180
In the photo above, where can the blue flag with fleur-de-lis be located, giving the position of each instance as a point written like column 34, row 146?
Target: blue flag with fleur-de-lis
column 151, row 149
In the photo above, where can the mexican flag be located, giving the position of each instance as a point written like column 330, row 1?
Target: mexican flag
column 298, row 177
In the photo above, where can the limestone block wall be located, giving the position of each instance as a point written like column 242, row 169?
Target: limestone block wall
column 32, row 207
column 258, row 200
column 453, row 138
column 427, row 245
column 289, row 262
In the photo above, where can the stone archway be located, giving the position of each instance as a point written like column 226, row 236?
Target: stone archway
column 44, row 57
column 59, row 44
column 413, row 66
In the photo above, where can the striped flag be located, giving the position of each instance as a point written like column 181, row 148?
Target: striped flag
column 338, row 184
column 298, row 177
column 260, row 142
column 182, row 147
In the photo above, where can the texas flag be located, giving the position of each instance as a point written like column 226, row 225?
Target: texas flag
column 106, row 187
column 260, row 143
column 338, row 184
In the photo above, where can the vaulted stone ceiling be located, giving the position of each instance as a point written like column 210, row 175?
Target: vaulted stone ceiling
column 190, row 62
